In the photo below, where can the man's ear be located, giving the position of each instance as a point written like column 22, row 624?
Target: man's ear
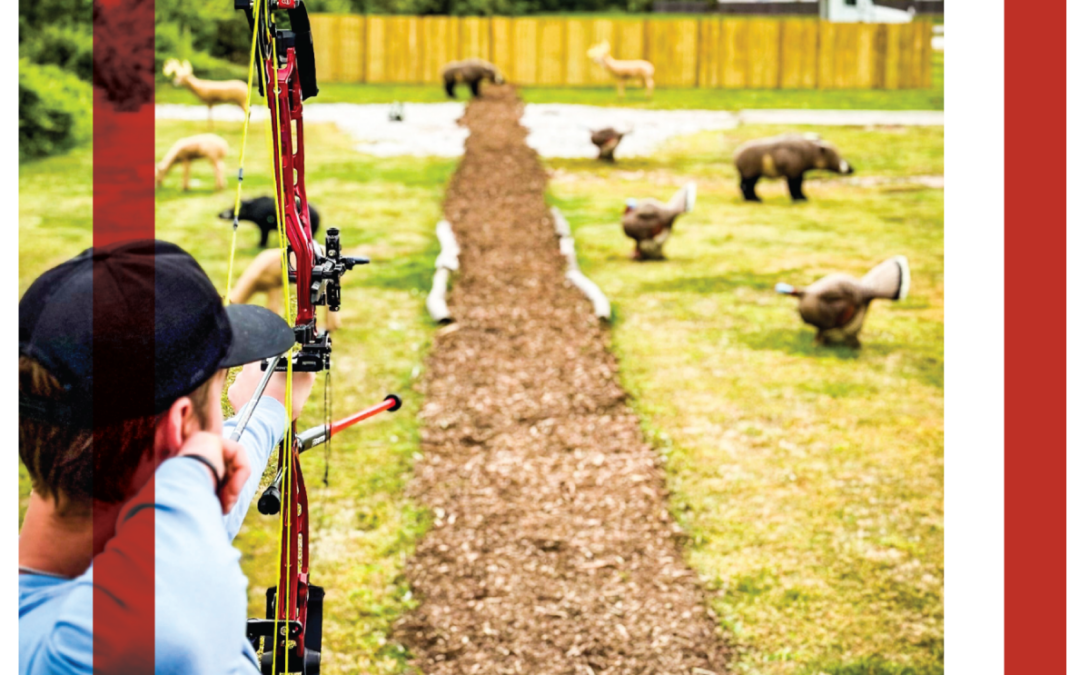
column 177, row 424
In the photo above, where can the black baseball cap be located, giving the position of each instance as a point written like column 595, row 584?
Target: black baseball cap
column 147, row 315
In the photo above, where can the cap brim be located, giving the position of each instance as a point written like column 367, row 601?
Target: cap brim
column 258, row 334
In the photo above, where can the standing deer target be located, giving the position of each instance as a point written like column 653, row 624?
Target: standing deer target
column 209, row 92
column 637, row 69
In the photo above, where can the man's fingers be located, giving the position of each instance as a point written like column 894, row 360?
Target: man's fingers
column 237, row 471
column 243, row 388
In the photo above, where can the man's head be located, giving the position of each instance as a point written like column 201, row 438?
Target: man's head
column 61, row 459
column 122, row 352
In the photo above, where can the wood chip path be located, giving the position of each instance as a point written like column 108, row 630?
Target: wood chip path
column 552, row 550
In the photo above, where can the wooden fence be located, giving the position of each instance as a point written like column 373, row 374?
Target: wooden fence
column 693, row 52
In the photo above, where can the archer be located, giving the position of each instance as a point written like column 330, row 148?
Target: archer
column 112, row 473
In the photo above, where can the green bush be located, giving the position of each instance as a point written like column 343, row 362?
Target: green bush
column 184, row 27
column 211, row 68
column 38, row 13
column 69, row 47
column 173, row 43
column 55, row 110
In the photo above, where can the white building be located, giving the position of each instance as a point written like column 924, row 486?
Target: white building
column 863, row 11
column 841, row 11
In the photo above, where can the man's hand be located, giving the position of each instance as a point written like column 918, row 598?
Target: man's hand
column 229, row 460
column 237, row 471
column 243, row 388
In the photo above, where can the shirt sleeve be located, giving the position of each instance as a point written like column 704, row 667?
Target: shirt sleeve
column 262, row 434
column 199, row 604
column 68, row 648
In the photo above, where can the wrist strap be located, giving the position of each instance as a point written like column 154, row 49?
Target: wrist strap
column 209, row 465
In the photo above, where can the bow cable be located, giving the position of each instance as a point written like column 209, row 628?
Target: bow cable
column 243, row 148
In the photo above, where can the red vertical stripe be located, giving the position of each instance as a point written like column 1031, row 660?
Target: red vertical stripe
column 124, row 210
column 1041, row 460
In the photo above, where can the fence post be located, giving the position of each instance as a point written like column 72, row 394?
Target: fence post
column 565, row 49
column 780, row 52
column 697, row 55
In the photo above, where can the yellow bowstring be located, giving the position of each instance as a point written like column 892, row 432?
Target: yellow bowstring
column 285, row 521
column 243, row 149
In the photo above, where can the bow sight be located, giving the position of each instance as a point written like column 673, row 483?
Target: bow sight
column 325, row 290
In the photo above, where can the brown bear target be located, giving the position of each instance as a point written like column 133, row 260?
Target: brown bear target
column 788, row 156
column 470, row 72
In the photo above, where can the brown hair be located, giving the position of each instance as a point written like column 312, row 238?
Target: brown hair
column 83, row 464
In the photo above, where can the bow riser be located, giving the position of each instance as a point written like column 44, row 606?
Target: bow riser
column 287, row 116
column 291, row 635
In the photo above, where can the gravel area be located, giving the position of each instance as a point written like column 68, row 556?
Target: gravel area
column 555, row 130
column 552, row 549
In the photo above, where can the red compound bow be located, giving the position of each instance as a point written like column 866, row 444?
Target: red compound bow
column 290, row 637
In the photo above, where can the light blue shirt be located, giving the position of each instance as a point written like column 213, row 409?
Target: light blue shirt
column 200, row 600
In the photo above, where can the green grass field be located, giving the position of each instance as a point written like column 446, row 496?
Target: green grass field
column 809, row 479
column 806, row 476
column 362, row 526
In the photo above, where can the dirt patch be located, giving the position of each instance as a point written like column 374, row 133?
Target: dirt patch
column 552, row 550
